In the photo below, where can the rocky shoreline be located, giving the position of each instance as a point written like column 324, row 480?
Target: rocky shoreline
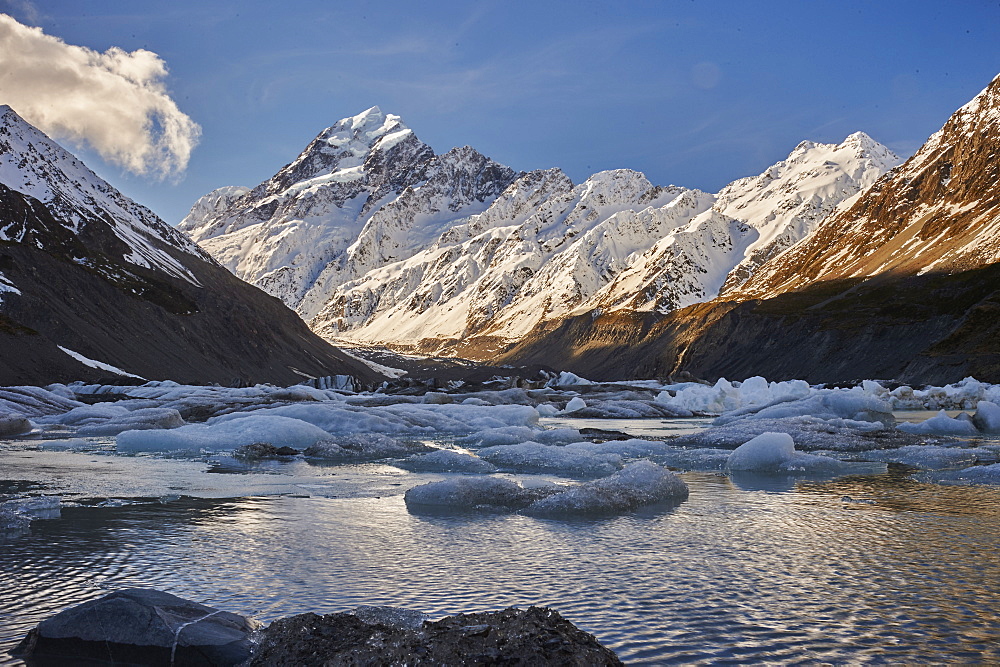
column 149, row 627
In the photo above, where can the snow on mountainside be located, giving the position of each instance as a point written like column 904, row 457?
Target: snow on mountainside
column 938, row 212
column 92, row 284
column 34, row 165
column 788, row 201
column 455, row 246
column 365, row 192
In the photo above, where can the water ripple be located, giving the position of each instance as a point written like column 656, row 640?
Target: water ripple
column 729, row 577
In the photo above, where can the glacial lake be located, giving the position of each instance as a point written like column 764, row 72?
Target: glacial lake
column 748, row 569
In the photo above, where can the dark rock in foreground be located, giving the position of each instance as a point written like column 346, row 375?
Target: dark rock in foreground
column 139, row 627
column 148, row 627
column 535, row 636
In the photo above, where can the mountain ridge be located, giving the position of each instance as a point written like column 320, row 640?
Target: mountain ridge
column 529, row 248
column 901, row 283
column 92, row 280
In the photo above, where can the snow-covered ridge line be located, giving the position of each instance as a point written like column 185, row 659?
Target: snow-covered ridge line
column 371, row 237
column 36, row 166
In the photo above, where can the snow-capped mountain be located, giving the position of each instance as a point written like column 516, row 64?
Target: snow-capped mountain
column 34, row 165
column 938, row 213
column 901, row 282
column 364, row 193
column 372, row 237
column 92, row 281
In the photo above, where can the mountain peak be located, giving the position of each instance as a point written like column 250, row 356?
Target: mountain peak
column 364, row 130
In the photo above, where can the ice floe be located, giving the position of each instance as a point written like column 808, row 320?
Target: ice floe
column 809, row 433
column 775, row 453
column 225, row 435
column 638, row 484
column 942, row 424
column 536, row 457
column 362, row 447
column 447, row 460
column 113, row 418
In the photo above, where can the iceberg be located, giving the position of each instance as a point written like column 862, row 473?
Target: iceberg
column 775, row 453
column 447, row 460
column 942, row 424
column 225, row 435
column 536, row 457
column 637, row 484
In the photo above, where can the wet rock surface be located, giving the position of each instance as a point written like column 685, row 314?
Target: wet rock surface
column 139, row 627
column 150, row 627
column 535, row 636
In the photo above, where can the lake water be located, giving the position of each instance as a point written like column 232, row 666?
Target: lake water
column 748, row 569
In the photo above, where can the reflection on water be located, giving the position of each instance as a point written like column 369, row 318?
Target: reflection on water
column 738, row 573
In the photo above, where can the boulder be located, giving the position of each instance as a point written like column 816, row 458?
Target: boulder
column 140, row 627
column 535, row 636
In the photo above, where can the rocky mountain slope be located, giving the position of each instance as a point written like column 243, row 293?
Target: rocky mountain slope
column 93, row 285
column 937, row 213
column 902, row 283
column 372, row 237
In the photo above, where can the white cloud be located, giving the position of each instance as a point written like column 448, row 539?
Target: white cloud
column 115, row 102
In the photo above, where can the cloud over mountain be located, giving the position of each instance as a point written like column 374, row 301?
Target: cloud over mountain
column 114, row 102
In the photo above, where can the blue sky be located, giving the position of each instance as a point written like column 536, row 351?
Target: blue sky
column 691, row 93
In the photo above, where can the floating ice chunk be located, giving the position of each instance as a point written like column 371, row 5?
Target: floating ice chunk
column 637, row 484
column 512, row 435
column 576, row 403
column 627, row 409
column 474, row 493
column 719, row 398
column 300, row 392
column 509, row 435
column 34, row 401
column 567, row 379
column 640, row 483
column 725, row 396
column 632, row 448
column 447, row 460
column 989, row 474
column 536, row 457
column 225, row 435
column 402, row 419
column 547, row 410
column 764, row 453
column 931, row 457
column 472, row 400
column 987, row 417
column 809, row 433
column 941, row 424
column 86, row 414
column 557, row 436
column 112, row 419
column 775, row 453
column 825, row 404
column 38, row 507
column 362, row 447
column 700, row 458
